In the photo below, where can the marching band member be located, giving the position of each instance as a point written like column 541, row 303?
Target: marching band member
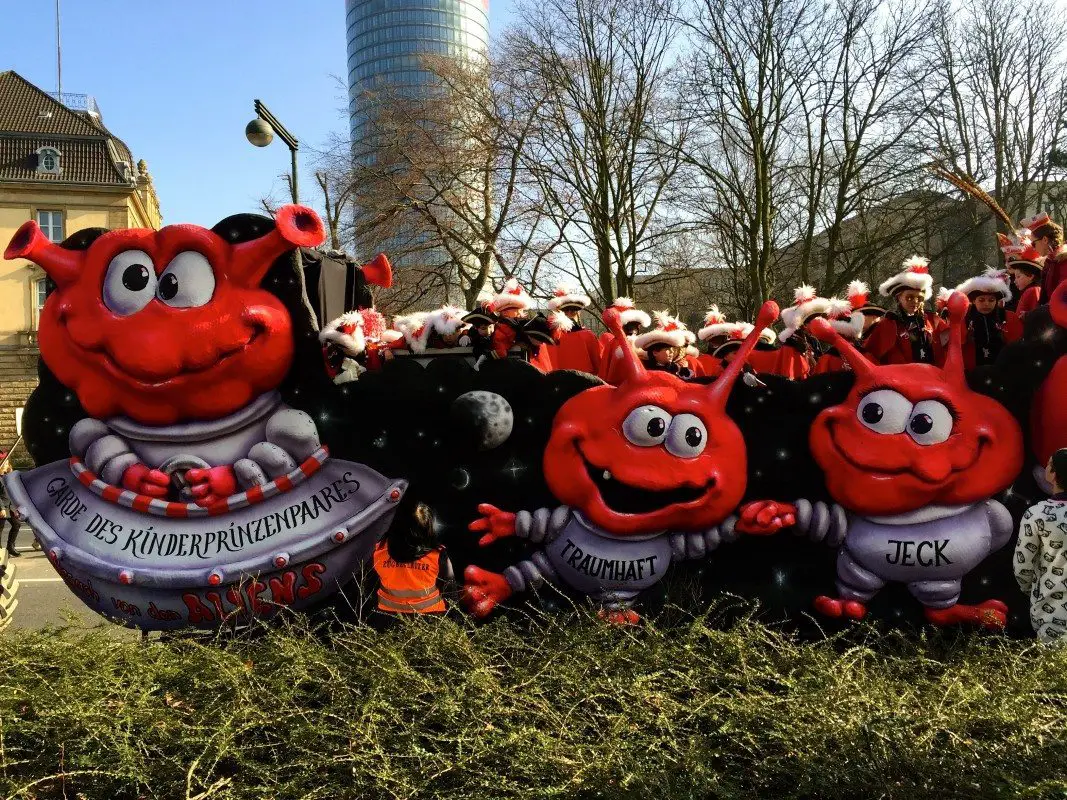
column 715, row 332
column 799, row 351
column 612, row 362
column 1024, row 264
column 1047, row 239
column 907, row 334
column 509, row 306
column 989, row 326
column 576, row 346
column 663, row 343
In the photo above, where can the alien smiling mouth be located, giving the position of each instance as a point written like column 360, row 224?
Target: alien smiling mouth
column 626, row 499
column 831, row 426
column 123, row 372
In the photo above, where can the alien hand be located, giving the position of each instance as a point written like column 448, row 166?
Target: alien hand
column 483, row 590
column 763, row 517
column 210, row 486
column 144, row 480
column 497, row 524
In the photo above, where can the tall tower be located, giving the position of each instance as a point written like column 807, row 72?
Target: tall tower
column 387, row 40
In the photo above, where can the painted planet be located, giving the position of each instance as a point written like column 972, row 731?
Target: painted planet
column 486, row 416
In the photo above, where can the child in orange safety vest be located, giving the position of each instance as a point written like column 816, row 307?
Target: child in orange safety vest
column 412, row 568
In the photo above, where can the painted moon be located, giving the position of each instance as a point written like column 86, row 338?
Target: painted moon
column 488, row 417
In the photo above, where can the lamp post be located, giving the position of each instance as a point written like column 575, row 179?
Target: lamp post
column 260, row 132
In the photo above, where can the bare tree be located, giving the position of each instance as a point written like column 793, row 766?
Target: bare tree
column 999, row 99
column 442, row 179
column 1003, row 90
column 801, row 162
column 607, row 144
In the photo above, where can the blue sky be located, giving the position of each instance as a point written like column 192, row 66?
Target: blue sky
column 175, row 80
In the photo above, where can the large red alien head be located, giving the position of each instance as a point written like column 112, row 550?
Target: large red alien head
column 654, row 453
column 170, row 325
column 914, row 435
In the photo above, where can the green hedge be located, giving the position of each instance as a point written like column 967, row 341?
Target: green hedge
column 564, row 707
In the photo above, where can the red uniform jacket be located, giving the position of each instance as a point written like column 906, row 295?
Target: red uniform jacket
column 791, row 363
column 889, row 343
column 1029, row 299
column 504, row 336
column 1011, row 330
column 692, row 363
column 542, row 359
column 1054, row 273
column 830, row 361
column 765, row 359
column 710, row 366
column 574, row 349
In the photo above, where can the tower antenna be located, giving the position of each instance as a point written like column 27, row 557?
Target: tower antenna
column 59, row 58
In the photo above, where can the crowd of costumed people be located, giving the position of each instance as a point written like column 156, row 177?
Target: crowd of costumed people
column 207, row 453
column 900, row 330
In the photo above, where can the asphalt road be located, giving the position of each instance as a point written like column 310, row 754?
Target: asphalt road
column 45, row 601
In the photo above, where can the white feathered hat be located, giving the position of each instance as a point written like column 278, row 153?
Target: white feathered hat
column 566, row 297
column 846, row 316
column 511, row 296
column 990, row 282
column 418, row 327
column 715, row 324
column 669, row 330
column 1036, row 221
column 738, row 332
column 915, row 275
column 806, row 305
column 346, row 332
column 629, row 313
column 352, row 330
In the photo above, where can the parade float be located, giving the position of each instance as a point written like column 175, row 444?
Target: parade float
column 198, row 463
column 192, row 493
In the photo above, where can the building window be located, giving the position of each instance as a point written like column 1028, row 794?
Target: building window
column 48, row 161
column 40, row 287
column 51, row 223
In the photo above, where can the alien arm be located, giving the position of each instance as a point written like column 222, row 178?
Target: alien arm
column 109, row 456
column 1000, row 524
column 540, row 527
column 543, row 525
column 291, row 438
column 698, row 544
column 821, row 522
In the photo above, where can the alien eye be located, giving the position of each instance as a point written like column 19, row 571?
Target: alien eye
column 130, row 282
column 687, row 436
column 930, row 423
column 187, row 282
column 646, row 426
column 884, row 411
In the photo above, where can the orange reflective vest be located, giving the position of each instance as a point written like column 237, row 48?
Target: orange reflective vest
column 411, row 587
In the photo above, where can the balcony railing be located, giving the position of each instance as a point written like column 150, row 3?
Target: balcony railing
column 77, row 102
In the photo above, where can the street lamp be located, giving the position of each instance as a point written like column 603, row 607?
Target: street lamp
column 260, row 132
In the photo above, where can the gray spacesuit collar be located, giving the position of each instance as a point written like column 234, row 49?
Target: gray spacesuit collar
column 921, row 515
column 261, row 407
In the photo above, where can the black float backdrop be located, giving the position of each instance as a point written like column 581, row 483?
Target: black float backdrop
column 399, row 422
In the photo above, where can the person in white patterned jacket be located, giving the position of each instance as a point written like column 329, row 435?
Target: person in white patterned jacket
column 1040, row 555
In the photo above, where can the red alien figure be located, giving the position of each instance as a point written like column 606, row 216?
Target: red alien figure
column 647, row 473
column 912, row 458
column 1048, row 417
column 175, row 352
